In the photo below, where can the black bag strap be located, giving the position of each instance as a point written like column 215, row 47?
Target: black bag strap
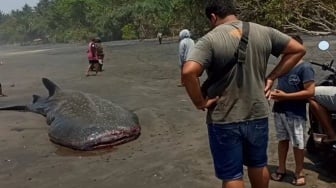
column 213, row 87
column 242, row 53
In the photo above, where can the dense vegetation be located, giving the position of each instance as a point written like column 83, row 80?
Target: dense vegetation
column 78, row 20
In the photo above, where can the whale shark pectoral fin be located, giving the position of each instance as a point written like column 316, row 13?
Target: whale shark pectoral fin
column 36, row 98
column 51, row 86
column 50, row 119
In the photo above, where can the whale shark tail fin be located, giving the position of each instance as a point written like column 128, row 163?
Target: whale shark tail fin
column 51, row 86
column 18, row 108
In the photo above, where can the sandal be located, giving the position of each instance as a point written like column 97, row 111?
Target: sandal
column 278, row 176
column 299, row 181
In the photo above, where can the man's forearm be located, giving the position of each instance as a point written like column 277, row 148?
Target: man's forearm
column 192, row 85
column 287, row 62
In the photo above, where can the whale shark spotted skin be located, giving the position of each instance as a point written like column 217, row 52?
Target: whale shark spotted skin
column 82, row 121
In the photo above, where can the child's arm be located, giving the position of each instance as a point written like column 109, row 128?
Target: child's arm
column 306, row 93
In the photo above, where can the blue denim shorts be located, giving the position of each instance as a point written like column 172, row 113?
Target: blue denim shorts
column 236, row 144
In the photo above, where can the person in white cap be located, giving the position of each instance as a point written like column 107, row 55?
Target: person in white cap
column 185, row 46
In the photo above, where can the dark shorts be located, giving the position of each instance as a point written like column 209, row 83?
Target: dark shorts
column 236, row 144
column 92, row 62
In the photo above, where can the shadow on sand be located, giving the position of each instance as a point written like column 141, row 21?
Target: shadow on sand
column 323, row 164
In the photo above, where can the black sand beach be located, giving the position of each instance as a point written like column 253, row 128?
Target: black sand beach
column 172, row 151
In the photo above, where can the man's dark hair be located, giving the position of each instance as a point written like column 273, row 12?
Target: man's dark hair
column 221, row 8
column 298, row 38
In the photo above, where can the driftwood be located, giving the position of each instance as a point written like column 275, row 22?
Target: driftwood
column 313, row 17
column 319, row 20
column 295, row 27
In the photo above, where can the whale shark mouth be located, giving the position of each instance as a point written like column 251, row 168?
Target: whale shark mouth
column 120, row 138
column 102, row 141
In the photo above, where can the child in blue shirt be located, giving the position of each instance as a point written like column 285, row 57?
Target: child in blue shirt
column 291, row 96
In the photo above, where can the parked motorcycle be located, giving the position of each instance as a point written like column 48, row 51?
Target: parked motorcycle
column 313, row 145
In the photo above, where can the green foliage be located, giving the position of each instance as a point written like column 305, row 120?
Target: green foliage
column 129, row 32
column 78, row 20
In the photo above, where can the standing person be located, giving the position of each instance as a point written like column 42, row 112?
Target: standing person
column 1, row 93
column 100, row 53
column 237, row 118
column 92, row 57
column 291, row 97
column 185, row 46
column 159, row 36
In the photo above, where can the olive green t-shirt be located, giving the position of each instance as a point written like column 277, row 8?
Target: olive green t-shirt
column 217, row 48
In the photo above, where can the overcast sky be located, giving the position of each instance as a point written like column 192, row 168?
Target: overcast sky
column 6, row 6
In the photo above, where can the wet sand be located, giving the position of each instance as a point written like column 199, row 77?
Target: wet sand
column 172, row 150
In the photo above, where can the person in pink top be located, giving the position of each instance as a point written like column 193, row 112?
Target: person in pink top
column 92, row 57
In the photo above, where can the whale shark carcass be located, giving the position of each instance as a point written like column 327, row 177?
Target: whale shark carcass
column 82, row 121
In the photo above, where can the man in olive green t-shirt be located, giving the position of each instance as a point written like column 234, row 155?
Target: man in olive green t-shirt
column 238, row 118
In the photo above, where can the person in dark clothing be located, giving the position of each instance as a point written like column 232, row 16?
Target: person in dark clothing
column 100, row 53
column 1, row 93
column 159, row 36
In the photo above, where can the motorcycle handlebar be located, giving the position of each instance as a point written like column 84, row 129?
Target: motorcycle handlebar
column 327, row 67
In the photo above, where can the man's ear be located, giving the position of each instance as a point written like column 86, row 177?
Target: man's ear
column 213, row 18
